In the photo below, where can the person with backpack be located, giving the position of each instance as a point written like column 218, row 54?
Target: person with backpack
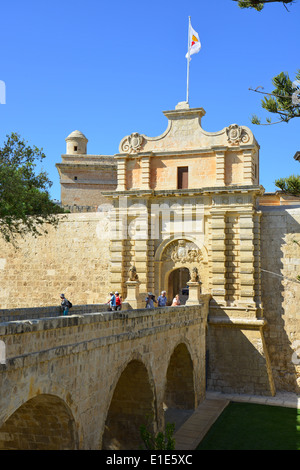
column 65, row 304
column 112, row 302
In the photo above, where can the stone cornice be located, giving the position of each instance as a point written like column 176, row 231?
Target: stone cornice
column 188, row 152
column 186, row 192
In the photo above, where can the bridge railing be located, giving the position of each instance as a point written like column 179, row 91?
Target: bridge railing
column 33, row 313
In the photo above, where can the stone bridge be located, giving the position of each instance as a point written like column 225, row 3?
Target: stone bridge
column 90, row 379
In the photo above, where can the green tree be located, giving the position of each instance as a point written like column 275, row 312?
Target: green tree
column 259, row 4
column 283, row 101
column 25, row 204
column 289, row 185
column 160, row 441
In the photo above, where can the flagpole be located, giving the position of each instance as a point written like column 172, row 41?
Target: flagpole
column 188, row 63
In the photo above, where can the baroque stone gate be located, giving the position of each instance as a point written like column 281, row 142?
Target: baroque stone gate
column 186, row 213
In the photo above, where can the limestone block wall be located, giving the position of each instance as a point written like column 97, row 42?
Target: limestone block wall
column 84, row 177
column 280, row 265
column 237, row 358
column 82, row 194
column 163, row 171
column 72, row 259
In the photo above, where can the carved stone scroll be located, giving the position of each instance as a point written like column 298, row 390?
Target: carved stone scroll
column 132, row 143
column 236, row 134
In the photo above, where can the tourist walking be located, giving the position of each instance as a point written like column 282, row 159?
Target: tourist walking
column 150, row 300
column 176, row 301
column 118, row 301
column 65, row 304
column 112, row 301
column 162, row 299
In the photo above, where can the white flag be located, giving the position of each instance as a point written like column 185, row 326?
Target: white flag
column 194, row 42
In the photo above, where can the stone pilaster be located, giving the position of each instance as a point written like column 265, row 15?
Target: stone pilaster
column 145, row 167
column 247, row 281
column 220, row 167
column 257, row 259
column 121, row 174
column 248, row 167
column 218, row 280
column 117, row 250
column 140, row 261
column 232, row 259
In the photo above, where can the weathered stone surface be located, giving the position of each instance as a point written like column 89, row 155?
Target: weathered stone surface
column 72, row 368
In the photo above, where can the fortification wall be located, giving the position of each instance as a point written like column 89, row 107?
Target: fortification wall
column 280, row 265
column 72, row 259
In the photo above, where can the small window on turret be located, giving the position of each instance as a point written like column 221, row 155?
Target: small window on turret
column 75, row 148
column 75, row 178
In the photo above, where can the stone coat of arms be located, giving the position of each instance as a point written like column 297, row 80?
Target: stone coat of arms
column 182, row 252
column 132, row 143
column 236, row 134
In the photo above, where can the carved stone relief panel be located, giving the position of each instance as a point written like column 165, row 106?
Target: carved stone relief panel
column 236, row 134
column 182, row 251
column 132, row 143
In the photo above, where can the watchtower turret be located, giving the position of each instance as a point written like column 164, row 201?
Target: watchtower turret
column 76, row 143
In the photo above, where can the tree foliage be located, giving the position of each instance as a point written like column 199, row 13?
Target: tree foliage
column 259, row 4
column 160, row 441
column 283, row 101
column 289, row 185
column 25, row 204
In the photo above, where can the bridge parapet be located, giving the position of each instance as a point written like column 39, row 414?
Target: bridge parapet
column 33, row 313
column 83, row 367
column 90, row 327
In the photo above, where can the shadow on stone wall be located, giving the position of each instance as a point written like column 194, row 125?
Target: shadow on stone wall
column 237, row 360
column 245, row 358
column 280, row 266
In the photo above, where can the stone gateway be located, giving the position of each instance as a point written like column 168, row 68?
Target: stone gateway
column 184, row 213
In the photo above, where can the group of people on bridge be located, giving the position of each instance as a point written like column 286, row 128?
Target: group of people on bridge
column 115, row 301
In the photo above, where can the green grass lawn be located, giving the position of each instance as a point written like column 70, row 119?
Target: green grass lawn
column 245, row 426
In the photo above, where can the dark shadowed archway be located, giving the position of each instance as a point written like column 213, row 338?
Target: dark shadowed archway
column 132, row 405
column 42, row 423
column 180, row 391
column 177, row 284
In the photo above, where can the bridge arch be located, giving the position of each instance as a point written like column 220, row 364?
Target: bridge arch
column 44, row 422
column 180, row 384
column 132, row 403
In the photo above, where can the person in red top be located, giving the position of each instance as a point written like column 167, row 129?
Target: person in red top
column 118, row 301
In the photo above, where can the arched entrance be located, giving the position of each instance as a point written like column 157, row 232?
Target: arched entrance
column 175, row 261
column 42, row 423
column 177, row 284
column 132, row 405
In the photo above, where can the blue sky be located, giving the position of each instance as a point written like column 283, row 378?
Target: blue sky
column 110, row 68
